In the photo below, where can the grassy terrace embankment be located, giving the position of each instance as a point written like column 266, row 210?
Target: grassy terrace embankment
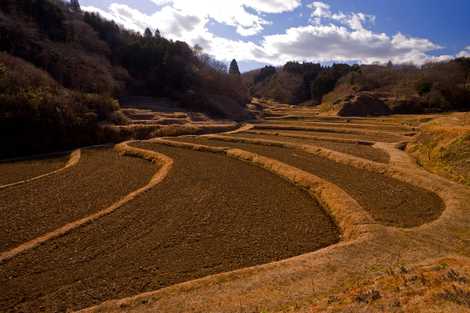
column 211, row 214
column 100, row 178
column 387, row 200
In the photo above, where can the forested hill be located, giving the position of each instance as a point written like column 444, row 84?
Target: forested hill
column 61, row 67
column 84, row 52
column 394, row 88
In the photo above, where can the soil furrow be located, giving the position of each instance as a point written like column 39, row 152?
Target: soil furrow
column 101, row 178
column 387, row 200
column 211, row 214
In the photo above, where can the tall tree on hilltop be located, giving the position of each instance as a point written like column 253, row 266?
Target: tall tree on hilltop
column 148, row 33
column 75, row 5
column 234, row 70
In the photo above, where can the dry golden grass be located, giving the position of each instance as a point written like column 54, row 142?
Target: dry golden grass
column 443, row 147
column 142, row 131
column 441, row 285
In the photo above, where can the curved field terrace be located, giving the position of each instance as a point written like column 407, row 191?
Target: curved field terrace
column 100, row 178
column 365, row 151
column 387, row 200
column 334, row 133
column 211, row 214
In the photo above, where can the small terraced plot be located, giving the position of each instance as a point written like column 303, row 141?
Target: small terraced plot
column 100, row 178
column 212, row 214
column 383, row 137
column 16, row 171
column 347, row 124
column 387, row 200
column 360, row 150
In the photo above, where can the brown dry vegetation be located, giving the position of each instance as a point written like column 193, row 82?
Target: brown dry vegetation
column 367, row 89
column 443, row 147
column 61, row 70
column 441, row 285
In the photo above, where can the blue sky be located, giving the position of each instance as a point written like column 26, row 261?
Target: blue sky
column 258, row 32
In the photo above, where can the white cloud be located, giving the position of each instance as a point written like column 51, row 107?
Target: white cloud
column 272, row 6
column 178, row 24
column 332, row 42
column 266, row 6
column 439, row 58
column 465, row 53
column 322, row 11
column 233, row 12
column 338, row 36
column 169, row 21
column 332, row 36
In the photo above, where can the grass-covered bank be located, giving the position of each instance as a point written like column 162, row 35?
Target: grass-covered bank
column 443, row 147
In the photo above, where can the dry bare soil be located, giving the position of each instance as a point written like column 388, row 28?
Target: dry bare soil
column 294, row 213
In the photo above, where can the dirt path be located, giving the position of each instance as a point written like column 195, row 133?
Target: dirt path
column 211, row 214
column 360, row 150
column 101, row 178
column 12, row 172
column 388, row 200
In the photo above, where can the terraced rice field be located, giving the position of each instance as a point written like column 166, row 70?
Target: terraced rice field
column 100, row 178
column 356, row 149
column 380, row 137
column 388, row 200
column 221, row 219
column 348, row 124
column 226, row 223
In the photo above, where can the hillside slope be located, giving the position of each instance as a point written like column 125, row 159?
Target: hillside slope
column 61, row 68
column 361, row 90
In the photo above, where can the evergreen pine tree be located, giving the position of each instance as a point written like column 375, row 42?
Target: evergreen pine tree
column 234, row 70
column 75, row 5
column 148, row 33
